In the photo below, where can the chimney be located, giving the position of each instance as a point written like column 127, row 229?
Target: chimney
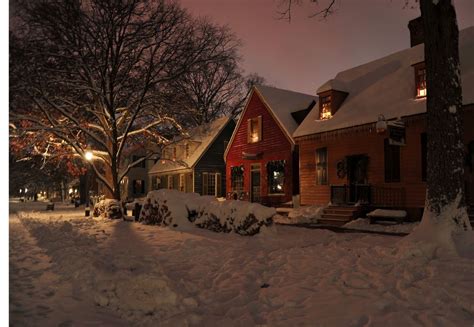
column 416, row 31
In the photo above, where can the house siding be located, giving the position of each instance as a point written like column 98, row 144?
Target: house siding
column 365, row 141
column 212, row 160
column 274, row 145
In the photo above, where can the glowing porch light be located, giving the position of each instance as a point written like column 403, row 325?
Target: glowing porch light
column 381, row 125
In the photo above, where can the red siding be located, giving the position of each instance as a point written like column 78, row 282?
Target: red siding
column 273, row 146
column 366, row 141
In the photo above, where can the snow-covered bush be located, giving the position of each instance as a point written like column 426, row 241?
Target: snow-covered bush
column 108, row 208
column 178, row 209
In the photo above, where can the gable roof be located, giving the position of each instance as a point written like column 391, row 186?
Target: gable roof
column 283, row 103
column 386, row 86
column 205, row 135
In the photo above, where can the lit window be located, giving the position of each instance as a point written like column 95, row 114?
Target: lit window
column 211, row 184
column 276, row 176
column 237, row 178
column 254, row 132
column 325, row 112
column 420, row 80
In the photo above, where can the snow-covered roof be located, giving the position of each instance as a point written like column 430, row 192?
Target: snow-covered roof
column 283, row 102
column 333, row 84
column 387, row 86
column 204, row 135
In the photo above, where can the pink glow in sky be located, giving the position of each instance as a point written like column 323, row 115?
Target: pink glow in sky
column 304, row 54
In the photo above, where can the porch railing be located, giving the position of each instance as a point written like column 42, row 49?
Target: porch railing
column 343, row 194
column 383, row 196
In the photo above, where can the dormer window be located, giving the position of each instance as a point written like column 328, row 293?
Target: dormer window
column 420, row 80
column 325, row 107
column 254, row 130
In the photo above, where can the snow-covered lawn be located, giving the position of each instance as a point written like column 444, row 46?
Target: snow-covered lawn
column 69, row 270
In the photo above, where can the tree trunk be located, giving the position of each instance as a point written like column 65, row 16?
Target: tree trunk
column 445, row 203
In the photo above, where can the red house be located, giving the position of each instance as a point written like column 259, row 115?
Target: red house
column 261, row 157
column 365, row 141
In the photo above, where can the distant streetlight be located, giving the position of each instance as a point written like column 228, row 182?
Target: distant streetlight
column 89, row 156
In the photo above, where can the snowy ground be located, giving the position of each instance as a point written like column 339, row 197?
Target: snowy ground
column 71, row 271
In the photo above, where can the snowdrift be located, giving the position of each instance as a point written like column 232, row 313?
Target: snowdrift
column 181, row 210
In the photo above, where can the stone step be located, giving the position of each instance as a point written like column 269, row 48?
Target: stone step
column 339, row 211
column 332, row 222
column 336, row 216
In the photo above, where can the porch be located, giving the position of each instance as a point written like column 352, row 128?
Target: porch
column 369, row 195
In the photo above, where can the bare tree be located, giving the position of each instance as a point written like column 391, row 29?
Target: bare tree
column 88, row 75
column 214, row 89
column 445, row 206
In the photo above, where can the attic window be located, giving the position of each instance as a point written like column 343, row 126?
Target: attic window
column 420, row 80
column 325, row 109
column 254, row 129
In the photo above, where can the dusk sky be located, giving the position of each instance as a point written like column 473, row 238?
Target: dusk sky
column 305, row 53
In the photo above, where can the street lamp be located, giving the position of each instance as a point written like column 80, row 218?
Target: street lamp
column 89, row 156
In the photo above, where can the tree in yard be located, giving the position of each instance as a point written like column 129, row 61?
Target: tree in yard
column 214, row 89
column 445, row 207
column 90, row 75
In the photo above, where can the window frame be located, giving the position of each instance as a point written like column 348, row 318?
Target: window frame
column 321, row 178
column 325, row 104
column 391, row 152
column 270, row 177
column 420, row 80
column 252, row 135
column 233, row 181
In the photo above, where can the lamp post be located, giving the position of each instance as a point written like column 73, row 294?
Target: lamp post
column 89, row 156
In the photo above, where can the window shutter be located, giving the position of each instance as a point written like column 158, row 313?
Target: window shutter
column 204, row 184
column 249, row 130
column 259, row 128
column 218, row 185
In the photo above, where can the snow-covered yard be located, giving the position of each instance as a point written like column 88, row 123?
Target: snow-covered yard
column 68, row 270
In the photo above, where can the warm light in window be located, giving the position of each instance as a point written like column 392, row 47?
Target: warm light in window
column 326, row 114
column 254, row 137
column 325, row 108
column 254, row 131
column 420, row 80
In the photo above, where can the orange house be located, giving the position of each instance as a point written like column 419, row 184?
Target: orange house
column 364, row 142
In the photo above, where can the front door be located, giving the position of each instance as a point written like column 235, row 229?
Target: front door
column 357, row 177
column 255, row 183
